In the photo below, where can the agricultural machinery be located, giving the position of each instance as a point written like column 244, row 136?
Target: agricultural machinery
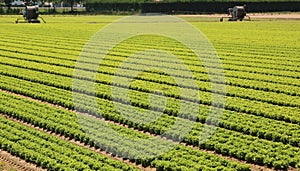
column 236, row 13
column 31, row 15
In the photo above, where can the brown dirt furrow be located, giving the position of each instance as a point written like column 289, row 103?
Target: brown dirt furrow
column 10, row 162
column 286, row 16
column 253, row 166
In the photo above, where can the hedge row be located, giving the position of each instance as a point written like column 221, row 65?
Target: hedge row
column 193, row 7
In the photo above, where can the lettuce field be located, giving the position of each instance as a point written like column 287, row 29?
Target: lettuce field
column 43, row 116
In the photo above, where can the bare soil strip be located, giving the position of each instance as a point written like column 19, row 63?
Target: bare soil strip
column 10, row 162
column 292, row 16
column 276, row 15
column 253, row 166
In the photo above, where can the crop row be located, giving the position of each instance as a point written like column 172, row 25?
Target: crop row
column 120, row 141
column 235, row 59
column 46, row 50
column 50, row 152
column 250, row 95
column 245, row 59
column 178, row 48
column 202, row 83
column 104, row 91
column 119, row 57
column 224, row 54
column 208, row 61
column 272, row 49
column 161, row 126
column 287, row 114
column 248, row 124
column 268, row 51
column 170, row 45
column 254, row 81
column 276, row 53
column 188, row 60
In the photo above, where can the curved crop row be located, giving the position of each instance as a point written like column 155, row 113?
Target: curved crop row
column 65, row 123
column 50, row 152
column 67, row 54
column 161, row 125
column 287, row 114
column 246, row 125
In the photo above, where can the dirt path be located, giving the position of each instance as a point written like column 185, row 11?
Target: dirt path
column 294, row 16
column 9, row 162
column 275, row 15
column 253, row 166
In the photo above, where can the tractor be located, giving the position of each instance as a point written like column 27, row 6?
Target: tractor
column 236, row 13
column 31, row 15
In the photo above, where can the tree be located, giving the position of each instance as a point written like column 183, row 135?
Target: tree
column 8, row 4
